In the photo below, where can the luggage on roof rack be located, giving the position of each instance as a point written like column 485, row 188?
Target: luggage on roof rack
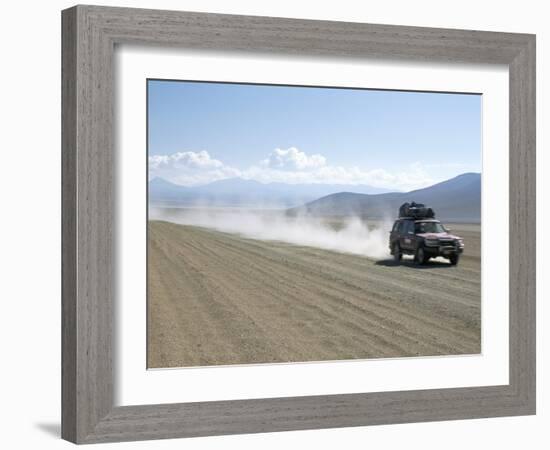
column 416, row 211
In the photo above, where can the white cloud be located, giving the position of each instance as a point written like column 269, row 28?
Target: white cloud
column 293, row 159
column 414, row 177
column 190, row 168
column 285, row 166
column 184, row 160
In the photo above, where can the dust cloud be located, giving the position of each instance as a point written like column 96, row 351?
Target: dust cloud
column 346, row 235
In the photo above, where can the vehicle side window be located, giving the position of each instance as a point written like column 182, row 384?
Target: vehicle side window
column 410, row 227
column 403, row 227
column 396, row 226
column 400, row 227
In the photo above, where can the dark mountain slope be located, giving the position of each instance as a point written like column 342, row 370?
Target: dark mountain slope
column 457, row 199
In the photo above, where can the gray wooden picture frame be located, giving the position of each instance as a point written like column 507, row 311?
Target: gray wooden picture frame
column 89, row 37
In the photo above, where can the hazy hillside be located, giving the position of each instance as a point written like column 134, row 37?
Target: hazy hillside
column 457, row 199
column 240, row 192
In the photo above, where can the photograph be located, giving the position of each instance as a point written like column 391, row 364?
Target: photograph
column 301, row 224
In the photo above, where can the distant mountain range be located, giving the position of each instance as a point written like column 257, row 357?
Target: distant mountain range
column 240, row 192
column 457, row 199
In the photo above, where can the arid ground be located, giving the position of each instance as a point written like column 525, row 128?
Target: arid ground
column 217, row 298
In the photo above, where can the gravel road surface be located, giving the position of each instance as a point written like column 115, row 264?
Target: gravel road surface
column 217, row 298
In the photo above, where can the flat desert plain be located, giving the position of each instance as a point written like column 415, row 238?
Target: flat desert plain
column 217, row 298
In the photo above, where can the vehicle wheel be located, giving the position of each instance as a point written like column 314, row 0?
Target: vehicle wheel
column 397, row 255
column 454, row 260
column 420, row 256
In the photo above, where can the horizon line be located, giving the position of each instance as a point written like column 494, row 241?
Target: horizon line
column 303, row 184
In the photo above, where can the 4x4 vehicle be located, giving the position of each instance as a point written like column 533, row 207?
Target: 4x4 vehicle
column 425, row 239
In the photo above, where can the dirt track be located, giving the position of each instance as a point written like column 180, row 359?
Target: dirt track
column 217, row 298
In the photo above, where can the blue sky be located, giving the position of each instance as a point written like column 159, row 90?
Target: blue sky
column 201, row 132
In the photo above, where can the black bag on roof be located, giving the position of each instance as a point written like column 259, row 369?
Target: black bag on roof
column 416, row 210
